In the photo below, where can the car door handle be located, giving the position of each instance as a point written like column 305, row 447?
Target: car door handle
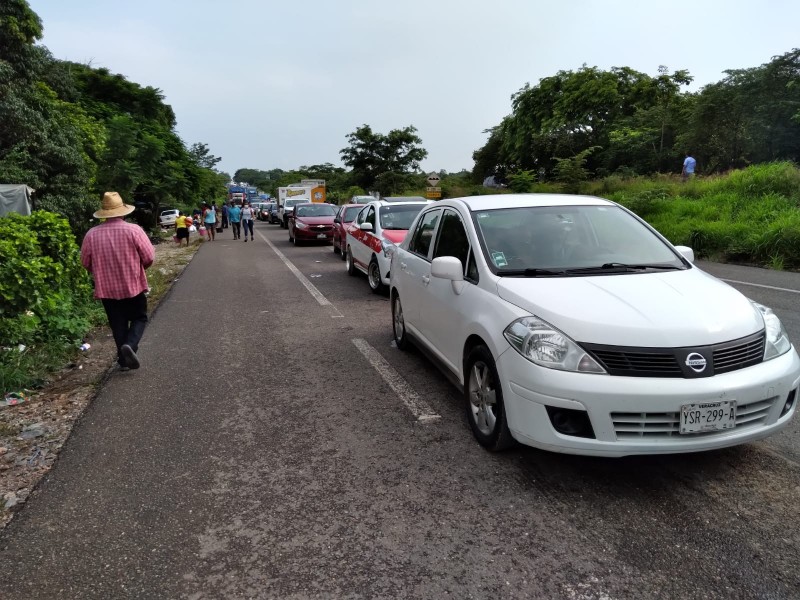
column 403, row 266
column 426, row 280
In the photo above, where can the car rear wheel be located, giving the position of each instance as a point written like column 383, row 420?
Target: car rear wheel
column 351, row 267
column 399, row 324
column 374, row 276
column 336, row 249
column 483, row 397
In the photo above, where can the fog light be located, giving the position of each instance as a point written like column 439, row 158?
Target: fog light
column 789, row 403
column 567, row 421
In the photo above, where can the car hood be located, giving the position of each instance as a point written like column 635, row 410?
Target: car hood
column 669, row 309
column 316, row 220
column 394, row 235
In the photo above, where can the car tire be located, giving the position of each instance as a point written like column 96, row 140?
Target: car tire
column 374, row 277
column 336, row 249
column 291, row 237
column 399, row 324
column 483, row 399
column 351, row 267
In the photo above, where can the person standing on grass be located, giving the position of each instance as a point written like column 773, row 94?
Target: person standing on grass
column 181, row 229
column 247, row 220
column 116, row 254
column 210, row 221
column 235, row 217
column 689, row 165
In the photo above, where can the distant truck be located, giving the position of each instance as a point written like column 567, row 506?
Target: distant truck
column 308, row 190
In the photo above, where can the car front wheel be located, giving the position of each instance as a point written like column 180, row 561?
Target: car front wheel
column 336, row 249
column 351, row 267
column 483, row 397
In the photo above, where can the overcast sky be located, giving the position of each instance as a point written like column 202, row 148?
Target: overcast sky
column 279, row 84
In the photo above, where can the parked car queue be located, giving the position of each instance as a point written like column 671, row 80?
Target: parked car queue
column 568, row 323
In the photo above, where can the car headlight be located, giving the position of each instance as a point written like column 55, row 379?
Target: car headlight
column 300, row 225
column 387, row 247
column 546, row 346
column 777, row 341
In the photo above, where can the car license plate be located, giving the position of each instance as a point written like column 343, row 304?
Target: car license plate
column 321, row 236
column 708, row 416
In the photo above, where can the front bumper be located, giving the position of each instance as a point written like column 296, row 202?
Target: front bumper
column 622, row 409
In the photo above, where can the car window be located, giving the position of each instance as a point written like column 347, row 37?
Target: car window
column 361, row 215
column 472, row 268
column 452, row 238
column 350, row 213
column 370, row 218
column 399, row 217
column 315, row 210
column 423, row 234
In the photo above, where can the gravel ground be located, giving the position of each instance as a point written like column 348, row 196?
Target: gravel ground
column 32, row 433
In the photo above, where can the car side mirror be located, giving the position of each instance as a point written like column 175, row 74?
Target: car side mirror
column 686, row 253
column 449, row 267
column 365, row 227
column 337, row 220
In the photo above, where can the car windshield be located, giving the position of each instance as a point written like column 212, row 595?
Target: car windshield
column 400, row 216
column 570, row 240
column 316, row 210
column 350, row 213
column 289, row 203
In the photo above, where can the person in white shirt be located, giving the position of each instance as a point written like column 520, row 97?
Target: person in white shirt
column 247, row 220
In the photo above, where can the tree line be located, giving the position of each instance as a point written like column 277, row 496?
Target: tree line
column 71, row 132
column 594, row 122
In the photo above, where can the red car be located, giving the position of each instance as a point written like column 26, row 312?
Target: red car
column 346, row 214
column 311, row 222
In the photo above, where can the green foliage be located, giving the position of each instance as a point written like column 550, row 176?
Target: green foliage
column 645, row 124
column 521, row 182
column 371, row 154
column 45, row 294
column 572, row 171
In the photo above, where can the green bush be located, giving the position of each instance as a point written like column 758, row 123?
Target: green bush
column 45, row 294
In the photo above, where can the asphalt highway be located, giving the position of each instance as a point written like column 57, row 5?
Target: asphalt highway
column 275, row 444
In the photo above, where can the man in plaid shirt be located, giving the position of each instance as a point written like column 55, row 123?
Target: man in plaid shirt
column 117, row 253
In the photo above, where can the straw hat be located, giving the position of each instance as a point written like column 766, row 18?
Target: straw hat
column 113, row 207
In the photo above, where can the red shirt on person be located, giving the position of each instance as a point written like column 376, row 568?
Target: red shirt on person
column 116, row 253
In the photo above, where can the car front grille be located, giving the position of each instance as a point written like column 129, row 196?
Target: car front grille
column 655, row 425
column 670, row 362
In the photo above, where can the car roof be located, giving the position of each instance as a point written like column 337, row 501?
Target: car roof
column 395, row 199
column 525, row 200
column 385, row 203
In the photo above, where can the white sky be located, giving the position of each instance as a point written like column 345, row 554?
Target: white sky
column 280, row 83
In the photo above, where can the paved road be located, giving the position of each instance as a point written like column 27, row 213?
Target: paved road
column 260, row 454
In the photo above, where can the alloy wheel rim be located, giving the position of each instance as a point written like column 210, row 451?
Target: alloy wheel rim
column 349, row 259
column 374, row 276
column 482, row 398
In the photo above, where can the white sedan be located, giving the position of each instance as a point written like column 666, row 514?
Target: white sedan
column 571, row 325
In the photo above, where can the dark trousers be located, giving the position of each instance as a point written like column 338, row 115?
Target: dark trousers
column 127, row 319
column 236, row 229
column 224, row 221
column 247, row 224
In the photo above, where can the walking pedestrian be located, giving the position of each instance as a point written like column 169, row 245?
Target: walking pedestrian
column 210, row 221
column 235, row 217
column 689, row 165
column 225, row 214
column 116, row 254
column 218, row 215
column 247, row 220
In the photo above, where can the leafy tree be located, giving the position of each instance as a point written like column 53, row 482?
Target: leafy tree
column 572, row 171
column 522, row 181
column 202, row 156
column 370, row 154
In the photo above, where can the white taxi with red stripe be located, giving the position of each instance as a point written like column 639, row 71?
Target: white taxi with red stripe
column 378, row 228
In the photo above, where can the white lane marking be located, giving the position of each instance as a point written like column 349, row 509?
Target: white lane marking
column 312, row 289
column 417, row 406
column 761, row 285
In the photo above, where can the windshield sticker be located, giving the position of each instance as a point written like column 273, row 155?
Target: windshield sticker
column 499, row 259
